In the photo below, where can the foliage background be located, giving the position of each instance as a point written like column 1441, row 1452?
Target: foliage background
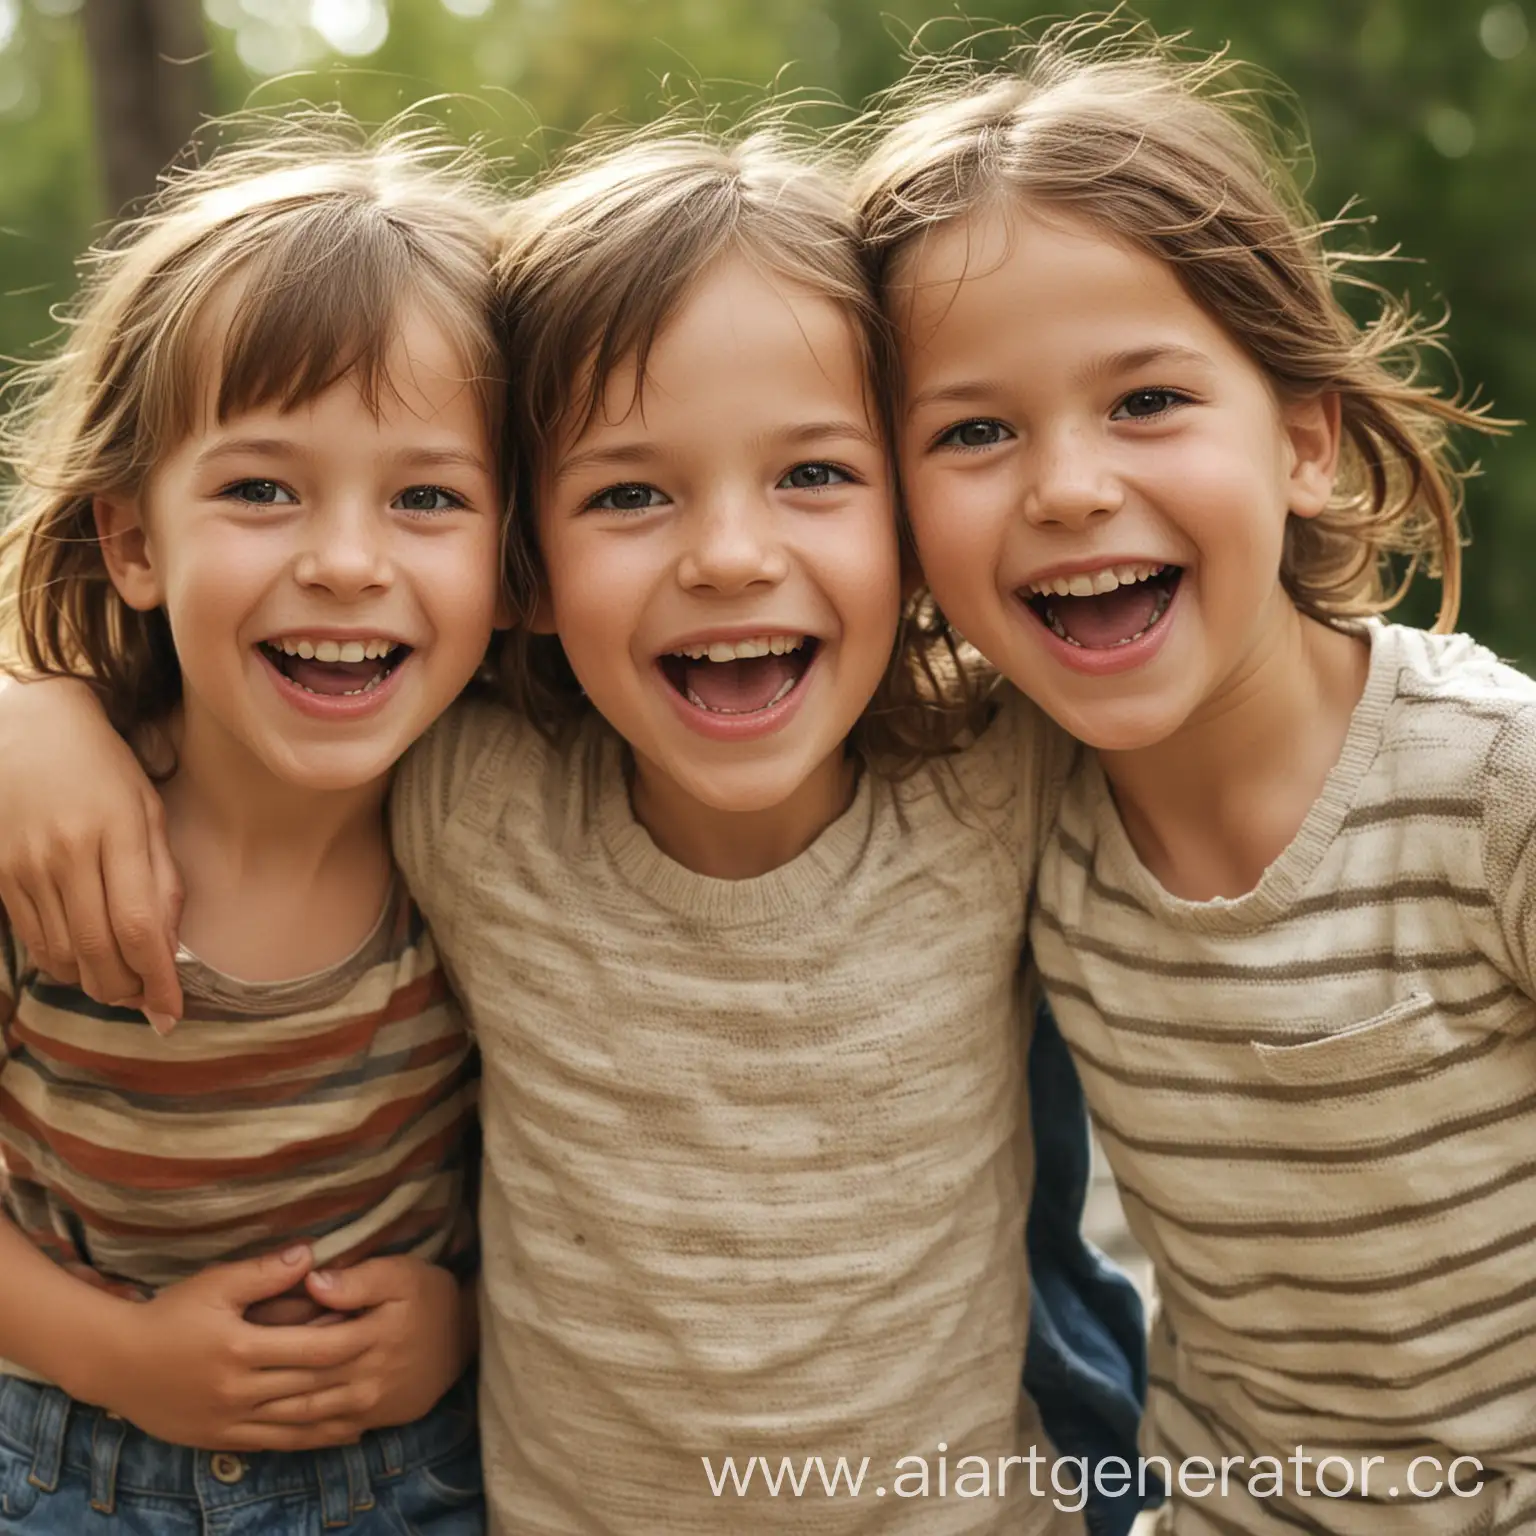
column 1424, row 110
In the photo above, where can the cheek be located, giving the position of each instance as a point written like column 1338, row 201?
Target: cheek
column 211, row 583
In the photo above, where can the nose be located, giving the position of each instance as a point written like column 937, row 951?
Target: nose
column 345, row 551
column 1073, row 481
column 734, row 545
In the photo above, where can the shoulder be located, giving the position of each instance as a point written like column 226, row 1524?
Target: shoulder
column 468, row 747
column 1454, row 670
column 461, row 770
column 1010, row 773
column 1453, row 698
column 1463, row 730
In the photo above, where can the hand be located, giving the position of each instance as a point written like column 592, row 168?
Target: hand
column 412, row 1316
column 188, row 1366
column 86, row 876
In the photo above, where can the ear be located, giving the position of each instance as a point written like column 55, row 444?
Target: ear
column 1312, row 428
column 125, row 550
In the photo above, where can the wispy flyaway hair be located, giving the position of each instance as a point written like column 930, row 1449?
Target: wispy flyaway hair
column 281, row 266
column 1174, row 155
column 597, row 260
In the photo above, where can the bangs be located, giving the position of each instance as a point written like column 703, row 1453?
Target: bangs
column 322, row 301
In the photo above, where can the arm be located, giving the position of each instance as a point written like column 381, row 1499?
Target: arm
column 86, row 877
column 421, row 1333
column 185, row 1366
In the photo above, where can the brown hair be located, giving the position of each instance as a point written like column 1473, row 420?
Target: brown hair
column 1176, row 156
column 597, row 261
column 316, row 234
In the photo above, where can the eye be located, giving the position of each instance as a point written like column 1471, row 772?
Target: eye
column 427, row 498
column 259, row 493
column 815, row 476
column 981, row 433
column 632, row 496
column 1143, row 403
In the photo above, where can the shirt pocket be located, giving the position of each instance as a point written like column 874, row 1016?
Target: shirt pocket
column 1402, row 1043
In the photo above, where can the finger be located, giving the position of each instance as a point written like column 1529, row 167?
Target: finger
column 364, row 1285
column 24, row 921
column 57, row 956
column 167, row 874
column 104, row 974
column 310, row 1348
column 137, row 911
column 348, row 1400
column 286, row 1437
column 246, row 1281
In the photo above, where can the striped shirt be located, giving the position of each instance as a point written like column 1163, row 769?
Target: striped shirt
column 1319, row 1100
column 757, row 1151
column 336, row 1109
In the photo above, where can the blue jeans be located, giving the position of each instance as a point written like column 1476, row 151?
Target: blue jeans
column 67, row 1469
column 1086, row 1366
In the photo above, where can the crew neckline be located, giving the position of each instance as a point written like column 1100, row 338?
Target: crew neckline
column 1284, row 880
column 791, row 888
column 208, row 984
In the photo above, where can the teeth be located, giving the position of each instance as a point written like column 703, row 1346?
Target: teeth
column 335, row 650
column 1094, row 583
column 742, row 650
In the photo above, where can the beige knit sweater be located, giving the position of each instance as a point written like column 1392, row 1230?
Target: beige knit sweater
column 756, row 1161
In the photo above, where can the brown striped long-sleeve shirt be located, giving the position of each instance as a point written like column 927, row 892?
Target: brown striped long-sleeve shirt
column 1319, row 1100
column 337, row 1109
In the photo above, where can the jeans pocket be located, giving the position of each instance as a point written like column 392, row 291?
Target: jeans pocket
column 18, row 1493
column 444, row 1497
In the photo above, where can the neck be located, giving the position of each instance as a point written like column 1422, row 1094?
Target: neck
column 1212, row 806
column 740, row 845
column 229, row 818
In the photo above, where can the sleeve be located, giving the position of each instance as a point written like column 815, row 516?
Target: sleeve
column 1037, row 756
column 437, row 776
column 1509, row 840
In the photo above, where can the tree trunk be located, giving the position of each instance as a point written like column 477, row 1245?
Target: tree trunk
column 150, row 88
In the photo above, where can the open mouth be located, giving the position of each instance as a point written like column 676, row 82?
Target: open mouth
column 1104, row 609
column 334, row 669
column 740, row 677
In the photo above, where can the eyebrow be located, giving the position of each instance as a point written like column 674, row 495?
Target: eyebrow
column 620, row 454
column 281, row 448
column 256, row 447
column 962, row 391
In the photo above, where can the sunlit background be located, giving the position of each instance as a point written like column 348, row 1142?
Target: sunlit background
column 1423, row 109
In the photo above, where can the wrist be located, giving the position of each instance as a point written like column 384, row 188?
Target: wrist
column 99, row 1354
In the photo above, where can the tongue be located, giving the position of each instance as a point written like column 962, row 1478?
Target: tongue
column 1105, row 620
column 739, row 687
column 331, row 677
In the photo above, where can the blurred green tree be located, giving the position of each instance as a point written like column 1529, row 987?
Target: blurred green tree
column 1425, row 112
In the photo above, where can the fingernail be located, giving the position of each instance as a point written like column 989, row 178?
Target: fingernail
column 161, row 1023
column 322, row 1278
column 295, row 1254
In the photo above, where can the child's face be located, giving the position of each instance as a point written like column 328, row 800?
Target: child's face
column 369, row 543
column 1074, row 418
column 721, row 553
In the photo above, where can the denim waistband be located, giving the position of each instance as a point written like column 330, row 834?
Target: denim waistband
column 60, row 1433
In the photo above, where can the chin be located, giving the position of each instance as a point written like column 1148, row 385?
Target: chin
column 333, row 771
column 1118, row 728
column 746, row 793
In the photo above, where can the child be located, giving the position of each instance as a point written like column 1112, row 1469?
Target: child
column 257, row 501
column 1285, row 917
column 756, row 1155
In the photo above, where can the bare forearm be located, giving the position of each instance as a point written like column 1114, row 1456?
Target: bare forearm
column 52, row 1323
